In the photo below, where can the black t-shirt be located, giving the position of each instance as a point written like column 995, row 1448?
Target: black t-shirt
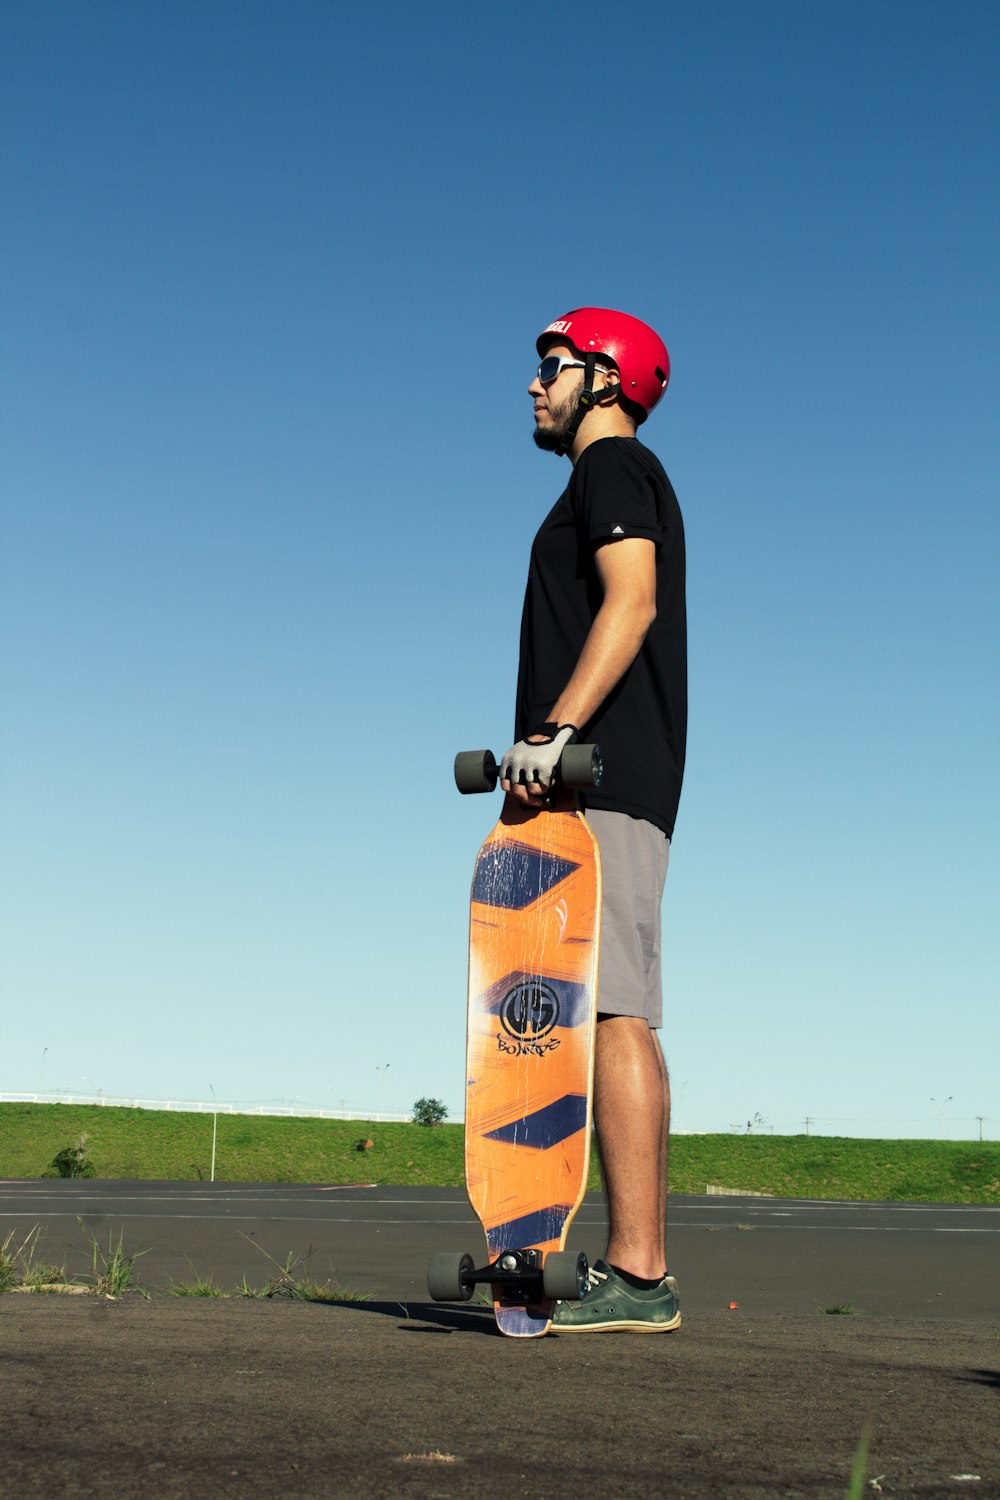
column 617, row 488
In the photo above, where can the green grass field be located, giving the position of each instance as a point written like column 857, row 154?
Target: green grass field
column 140, row 1143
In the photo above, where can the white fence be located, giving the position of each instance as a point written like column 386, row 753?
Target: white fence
column 982, row 1123
column 201, row 1107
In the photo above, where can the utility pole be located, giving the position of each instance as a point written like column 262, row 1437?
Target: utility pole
column 215, row 1124
column 807, row 1122
column 381, row 1078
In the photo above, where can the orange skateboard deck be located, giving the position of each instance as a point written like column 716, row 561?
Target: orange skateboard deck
column 533, row 954
column 533, row 959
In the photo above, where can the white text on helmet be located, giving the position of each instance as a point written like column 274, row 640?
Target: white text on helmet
column 563, row 326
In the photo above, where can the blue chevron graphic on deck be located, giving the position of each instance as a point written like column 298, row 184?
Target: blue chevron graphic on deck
column 514, row 875
column 532, row 1229
column 546, row 1127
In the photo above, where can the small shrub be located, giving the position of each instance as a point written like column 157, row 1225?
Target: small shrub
column 73, row 1161
column 429, row 1112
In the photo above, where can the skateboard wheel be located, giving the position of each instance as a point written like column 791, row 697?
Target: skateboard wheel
column 564, row 1276
column 580, row 765
column 444, row 1277
column 476, row 771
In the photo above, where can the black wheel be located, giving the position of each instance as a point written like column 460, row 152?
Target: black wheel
column 564, row 1276
column 475, row 771
column 580, row 765
column 444, row 1277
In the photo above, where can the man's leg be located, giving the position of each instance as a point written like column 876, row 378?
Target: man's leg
column 632, row 1121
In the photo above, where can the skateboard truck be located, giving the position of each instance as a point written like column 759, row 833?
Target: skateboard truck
column 521, row 1276
column 579, row 766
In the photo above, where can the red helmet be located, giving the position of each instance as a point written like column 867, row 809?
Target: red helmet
column 639, row 353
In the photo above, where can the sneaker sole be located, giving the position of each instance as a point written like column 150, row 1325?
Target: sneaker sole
column 625, row 1326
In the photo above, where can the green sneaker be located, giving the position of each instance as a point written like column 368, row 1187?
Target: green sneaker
column 609, row 1304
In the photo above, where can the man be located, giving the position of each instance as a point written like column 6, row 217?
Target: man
column 604, row 658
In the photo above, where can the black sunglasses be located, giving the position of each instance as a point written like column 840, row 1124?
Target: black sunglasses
column 553, row 365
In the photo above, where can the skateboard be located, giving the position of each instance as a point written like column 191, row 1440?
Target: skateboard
column 534, row 939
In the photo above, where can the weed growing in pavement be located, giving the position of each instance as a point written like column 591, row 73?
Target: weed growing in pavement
column 39, row 1276
column 8, row 1262
column 840, row 1310
column 326, row 1291
column 21, row 1271
column 286, row 1284
column 199, row 1286
column 281, row 1284
column 859, row 1468
column 114, row 1272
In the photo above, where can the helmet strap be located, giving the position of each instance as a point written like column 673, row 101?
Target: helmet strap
column 587, row 399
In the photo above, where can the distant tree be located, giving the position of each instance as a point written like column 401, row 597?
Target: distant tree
column 429, row 1112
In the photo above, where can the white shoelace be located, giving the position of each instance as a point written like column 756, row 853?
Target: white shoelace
column 593, row 1277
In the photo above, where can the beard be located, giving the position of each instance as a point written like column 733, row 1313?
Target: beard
column 550, row 437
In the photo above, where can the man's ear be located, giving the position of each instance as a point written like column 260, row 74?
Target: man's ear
column 612, row 382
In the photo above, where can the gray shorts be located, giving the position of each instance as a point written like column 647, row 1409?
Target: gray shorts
column 634, row 856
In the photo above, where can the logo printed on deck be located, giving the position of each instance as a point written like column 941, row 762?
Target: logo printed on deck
column 527, row 1049
column 529, row 1011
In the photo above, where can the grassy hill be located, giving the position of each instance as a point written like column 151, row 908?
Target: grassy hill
column 139, row 1143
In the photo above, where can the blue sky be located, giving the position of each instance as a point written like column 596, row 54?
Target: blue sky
column 271, row 279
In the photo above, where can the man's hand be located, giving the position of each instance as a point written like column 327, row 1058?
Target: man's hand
column 527, row 769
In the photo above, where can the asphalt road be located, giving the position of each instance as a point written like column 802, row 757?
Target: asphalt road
column 395, row 1395
column 769, row 1255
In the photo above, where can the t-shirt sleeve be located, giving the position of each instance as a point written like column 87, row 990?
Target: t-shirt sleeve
column 614, row 494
